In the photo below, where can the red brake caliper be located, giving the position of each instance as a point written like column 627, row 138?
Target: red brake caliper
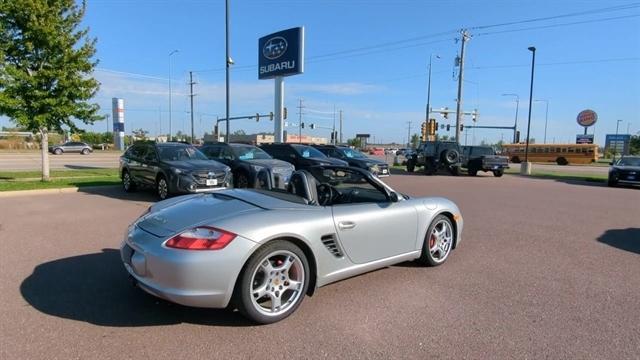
column 432, row 241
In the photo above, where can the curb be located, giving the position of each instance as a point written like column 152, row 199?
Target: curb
column 5, row 194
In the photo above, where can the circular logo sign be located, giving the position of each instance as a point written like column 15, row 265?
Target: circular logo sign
column 587, row 118
column 274, row 48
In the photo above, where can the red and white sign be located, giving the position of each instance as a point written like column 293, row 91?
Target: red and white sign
column 587, row 118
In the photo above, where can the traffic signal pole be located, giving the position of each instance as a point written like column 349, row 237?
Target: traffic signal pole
column 464, row 38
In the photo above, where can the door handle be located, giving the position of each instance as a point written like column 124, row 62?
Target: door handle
column 346, row 225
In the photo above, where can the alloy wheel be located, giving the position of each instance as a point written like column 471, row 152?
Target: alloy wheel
column 440, row 240
column 163, row 190
column 277, row 283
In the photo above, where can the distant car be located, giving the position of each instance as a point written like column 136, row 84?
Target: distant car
column 355, row 158
column 71, row 147
column 376, row 151
column 171, row 168
column 300, row 155
column 626, row 170
column 251, row 166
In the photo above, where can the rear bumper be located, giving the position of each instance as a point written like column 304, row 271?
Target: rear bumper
column 186, row 277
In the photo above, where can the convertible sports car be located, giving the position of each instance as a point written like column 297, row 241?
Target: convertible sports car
column 261, row 251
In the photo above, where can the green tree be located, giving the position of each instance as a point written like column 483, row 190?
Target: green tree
column 634, row 145
column 415, row 140
column 45, row 67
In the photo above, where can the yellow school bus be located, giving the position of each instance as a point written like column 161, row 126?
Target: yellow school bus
column 561, row 154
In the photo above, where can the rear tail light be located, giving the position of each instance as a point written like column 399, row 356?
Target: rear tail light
column 201, row 238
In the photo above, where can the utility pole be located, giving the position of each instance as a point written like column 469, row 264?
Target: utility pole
column 429, row 88
column 191, row 95
column 160, row 119
column 409, row 135
column 171, row 53
column 333, row 130
column 228, row 63
column 464, row 38
column 300, row 107
column 341, row 127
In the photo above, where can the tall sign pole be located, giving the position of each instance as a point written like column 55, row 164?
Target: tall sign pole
column 228, row 64
column 280, row 54
column 465, row 36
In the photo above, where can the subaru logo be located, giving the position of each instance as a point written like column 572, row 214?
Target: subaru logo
column 274, row 48
column 211, row 174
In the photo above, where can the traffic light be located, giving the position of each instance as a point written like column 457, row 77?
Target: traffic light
column 271, row 116
column 284, row 116
column 448, row 127
column 312, row 126
column 517, row 136
column 302, row 125
column 257, row 117
column 461, row 127
column 474, row 115
column 432, row 127
column 446, row 113
column 423, row 131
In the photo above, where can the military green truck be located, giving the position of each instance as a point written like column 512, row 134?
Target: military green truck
column 436, row 155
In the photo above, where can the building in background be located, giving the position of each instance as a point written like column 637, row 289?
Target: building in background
column 258, row 139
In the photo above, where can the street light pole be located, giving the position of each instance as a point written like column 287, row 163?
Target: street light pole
column 526, row 167
column 228, row 63
column 515, row 124
column 171, row 53
column 546, row 117
column 429, row 88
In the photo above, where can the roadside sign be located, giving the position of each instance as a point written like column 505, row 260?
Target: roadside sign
column 363, row 136
column 587, row 118
column 281, row 53
column 584, row 139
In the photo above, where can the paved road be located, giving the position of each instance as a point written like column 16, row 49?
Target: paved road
column 33, row 161
column 547, row 269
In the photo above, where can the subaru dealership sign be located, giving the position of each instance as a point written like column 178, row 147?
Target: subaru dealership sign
column 281, row 53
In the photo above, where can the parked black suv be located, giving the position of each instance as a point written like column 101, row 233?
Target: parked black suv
column 483, row 158
column 435, row 155
column 626, row 170
column 355, row 158
column 300, row 155
column 171, row 168
column 251, row 166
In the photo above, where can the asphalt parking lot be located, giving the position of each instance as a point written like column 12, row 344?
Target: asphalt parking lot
column 547, row 269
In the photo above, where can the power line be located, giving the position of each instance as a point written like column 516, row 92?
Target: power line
column 580, row 13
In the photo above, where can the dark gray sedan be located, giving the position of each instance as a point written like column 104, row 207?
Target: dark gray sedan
column 71, row 147
column 626, row 171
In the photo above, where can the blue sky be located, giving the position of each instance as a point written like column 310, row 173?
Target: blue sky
column 594, row 62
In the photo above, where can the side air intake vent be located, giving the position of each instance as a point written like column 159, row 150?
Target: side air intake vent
column 332, row 244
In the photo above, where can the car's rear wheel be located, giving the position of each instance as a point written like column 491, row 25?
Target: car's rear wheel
column 411, row 165
column 562, row 161
column 472, row 171
column 454, row 170
column 57, row 151
column 84, row 151
column 273, row 282
column 438, row 241
column 498, row 173
column 127, row 182
column 429, row 168
column 162, row 188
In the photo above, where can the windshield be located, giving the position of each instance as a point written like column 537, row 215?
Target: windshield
column 629, row 161
column 308, row 151
column 483, row 151
column 247, row 152
column 173, row 153
column 353, row 154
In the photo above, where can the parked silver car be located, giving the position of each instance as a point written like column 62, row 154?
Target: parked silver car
column 71, row 147
column 267, row 249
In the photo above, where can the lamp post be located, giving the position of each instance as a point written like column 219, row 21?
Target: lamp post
column 429, row 86
column 228, row 63
column 526, row 166
column 171, row 53
column 546, row 117
column 515, row 124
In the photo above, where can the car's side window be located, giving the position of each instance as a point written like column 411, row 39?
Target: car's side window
column 212, row 151
column 226, row 154
column 134, row 152
column 150, row 154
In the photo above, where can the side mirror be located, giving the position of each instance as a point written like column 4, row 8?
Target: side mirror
column 393, row 196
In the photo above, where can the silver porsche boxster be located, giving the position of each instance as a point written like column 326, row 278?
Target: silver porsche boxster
column 262, row 251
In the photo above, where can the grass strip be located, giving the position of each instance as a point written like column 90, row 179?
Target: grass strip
column 59, row 183
column 23, row 175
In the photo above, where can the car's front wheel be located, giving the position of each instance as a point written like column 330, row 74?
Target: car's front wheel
column 57, row 151
column 84, row 152
column 162, row 187
column 273, row 282
column 437, row 242
column 612, row 181
column 241, row 180
column 411, row 165
column 498, row 173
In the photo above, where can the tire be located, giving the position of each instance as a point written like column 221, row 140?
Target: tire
column 57, row 151
column 611, row 182
column 562, row 161
column 411, row 166
column 429, row 168
column 515, row 159
column 472, row 171
column 127, row 182
column 263, row 269
column 437, row 244
column 498, row 173
column 84, row 152
column 450, row 156
column 162, row 188
column 454, row 170
column 241, row 180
